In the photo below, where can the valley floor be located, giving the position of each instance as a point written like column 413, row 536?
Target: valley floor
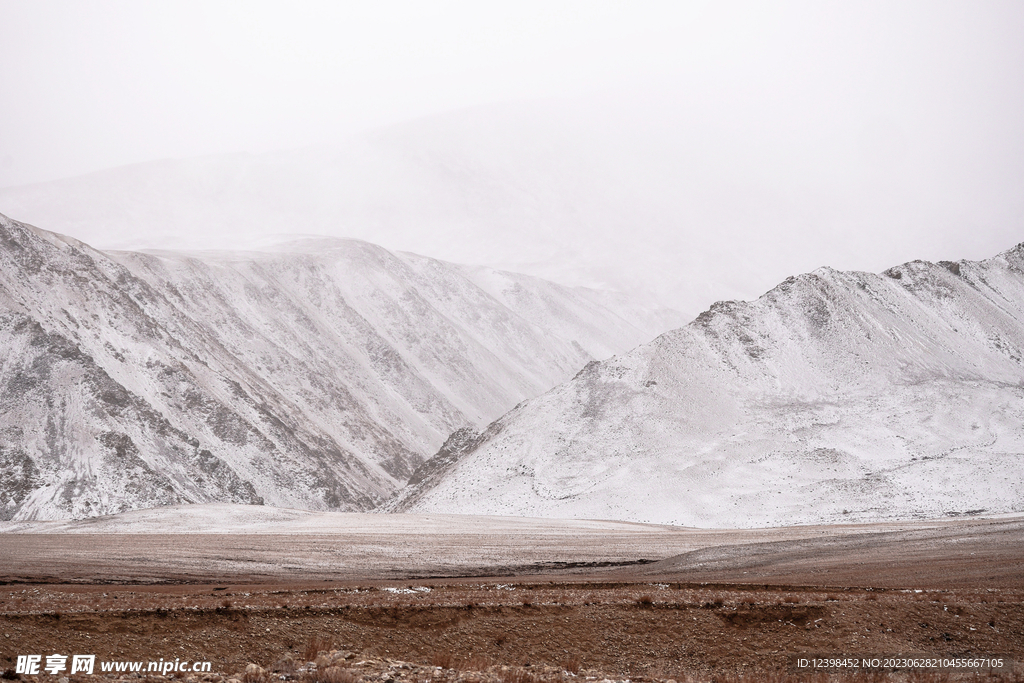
column 645, row 609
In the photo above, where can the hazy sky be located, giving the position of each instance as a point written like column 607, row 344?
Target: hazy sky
column 88, row 85
column 885, row 128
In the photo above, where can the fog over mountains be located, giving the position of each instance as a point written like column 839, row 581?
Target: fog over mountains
column 836, row 396
column 316, row 375
column 666, row 198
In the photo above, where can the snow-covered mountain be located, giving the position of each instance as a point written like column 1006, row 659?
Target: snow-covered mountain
column 836, row 396
column 318, row 375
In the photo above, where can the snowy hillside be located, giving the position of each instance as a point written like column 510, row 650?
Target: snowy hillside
column 836, row 396
column 316, row 376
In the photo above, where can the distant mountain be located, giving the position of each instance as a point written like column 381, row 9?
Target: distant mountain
column 836, row 396
column 515, row 190
column 658, row 197
column 318, row 375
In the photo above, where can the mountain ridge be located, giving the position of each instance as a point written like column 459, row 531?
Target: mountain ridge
column 315, row 380
column 835, row 396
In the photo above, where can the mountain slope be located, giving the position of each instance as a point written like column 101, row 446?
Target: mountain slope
column 836, row 396
column 316, row 376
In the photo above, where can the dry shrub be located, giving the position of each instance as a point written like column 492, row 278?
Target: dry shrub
column 645, row 601
column 442, row 659
column 315, row 645
column 572, row 664
column 253, row 674
column 516, row 675
column 285, row 665
column 476, row 663
column 332, row 674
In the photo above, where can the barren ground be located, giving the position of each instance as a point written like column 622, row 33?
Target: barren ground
column 657, row 603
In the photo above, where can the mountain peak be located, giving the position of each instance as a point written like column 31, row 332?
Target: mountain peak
column 836, row 396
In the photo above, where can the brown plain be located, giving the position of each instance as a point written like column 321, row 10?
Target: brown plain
column 660, row 603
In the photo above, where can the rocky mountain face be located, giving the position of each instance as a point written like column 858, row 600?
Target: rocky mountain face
column 318, row 375
column 836, row 396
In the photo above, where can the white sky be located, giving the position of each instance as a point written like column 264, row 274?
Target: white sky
column 88, row 85
column 916, row 108
column 99, row 84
